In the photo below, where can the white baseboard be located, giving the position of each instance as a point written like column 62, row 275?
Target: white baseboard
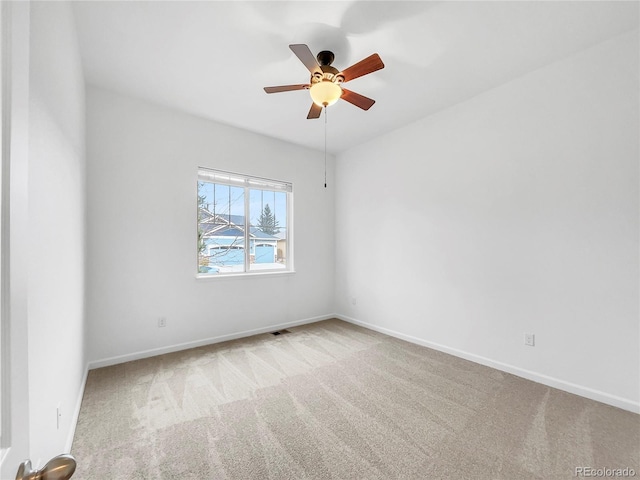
column 586, row 392
column 199, row 343
column 76, row 413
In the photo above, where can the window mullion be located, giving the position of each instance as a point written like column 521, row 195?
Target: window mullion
column 247, row 231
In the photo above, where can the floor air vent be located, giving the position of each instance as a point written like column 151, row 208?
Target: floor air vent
column 280, row 332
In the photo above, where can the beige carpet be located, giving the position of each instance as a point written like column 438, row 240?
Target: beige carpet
column 335, row 401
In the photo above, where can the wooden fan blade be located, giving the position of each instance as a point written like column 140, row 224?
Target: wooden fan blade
column 356, row 99
column 363, row 67
column 286, row 88
column 314, row 112
column 305, row 56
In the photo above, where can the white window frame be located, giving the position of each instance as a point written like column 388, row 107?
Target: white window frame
column 248, row 183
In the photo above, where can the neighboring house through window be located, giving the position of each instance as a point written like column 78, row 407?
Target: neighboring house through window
column 244, row 224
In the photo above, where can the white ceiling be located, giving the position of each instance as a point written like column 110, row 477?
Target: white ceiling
column 212, row 58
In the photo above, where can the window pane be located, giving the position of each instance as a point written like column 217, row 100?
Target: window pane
column 220, row 228
column 268, row 224
column 243, row 223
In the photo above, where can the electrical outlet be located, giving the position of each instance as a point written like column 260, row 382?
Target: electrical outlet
column 162, row 322
column 354, row 300
column 58, row 417
column 529, row 339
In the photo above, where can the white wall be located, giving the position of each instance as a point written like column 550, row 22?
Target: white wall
column 516, row 211
column 142, row 168
column 56, row 228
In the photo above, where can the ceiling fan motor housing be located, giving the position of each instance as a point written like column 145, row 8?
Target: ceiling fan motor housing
column 328, row 73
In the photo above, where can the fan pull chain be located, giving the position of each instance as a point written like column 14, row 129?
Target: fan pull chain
column 325, row 146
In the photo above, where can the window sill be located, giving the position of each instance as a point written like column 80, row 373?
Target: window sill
column 273, row 273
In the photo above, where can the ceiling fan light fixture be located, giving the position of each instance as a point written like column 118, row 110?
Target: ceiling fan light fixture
column 325, row 93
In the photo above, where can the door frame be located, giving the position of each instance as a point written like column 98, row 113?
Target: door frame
column 14, row 370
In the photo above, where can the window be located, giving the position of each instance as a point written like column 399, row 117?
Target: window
column 244, row 224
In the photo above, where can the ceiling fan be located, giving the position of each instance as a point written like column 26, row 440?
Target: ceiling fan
column 325, row 83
